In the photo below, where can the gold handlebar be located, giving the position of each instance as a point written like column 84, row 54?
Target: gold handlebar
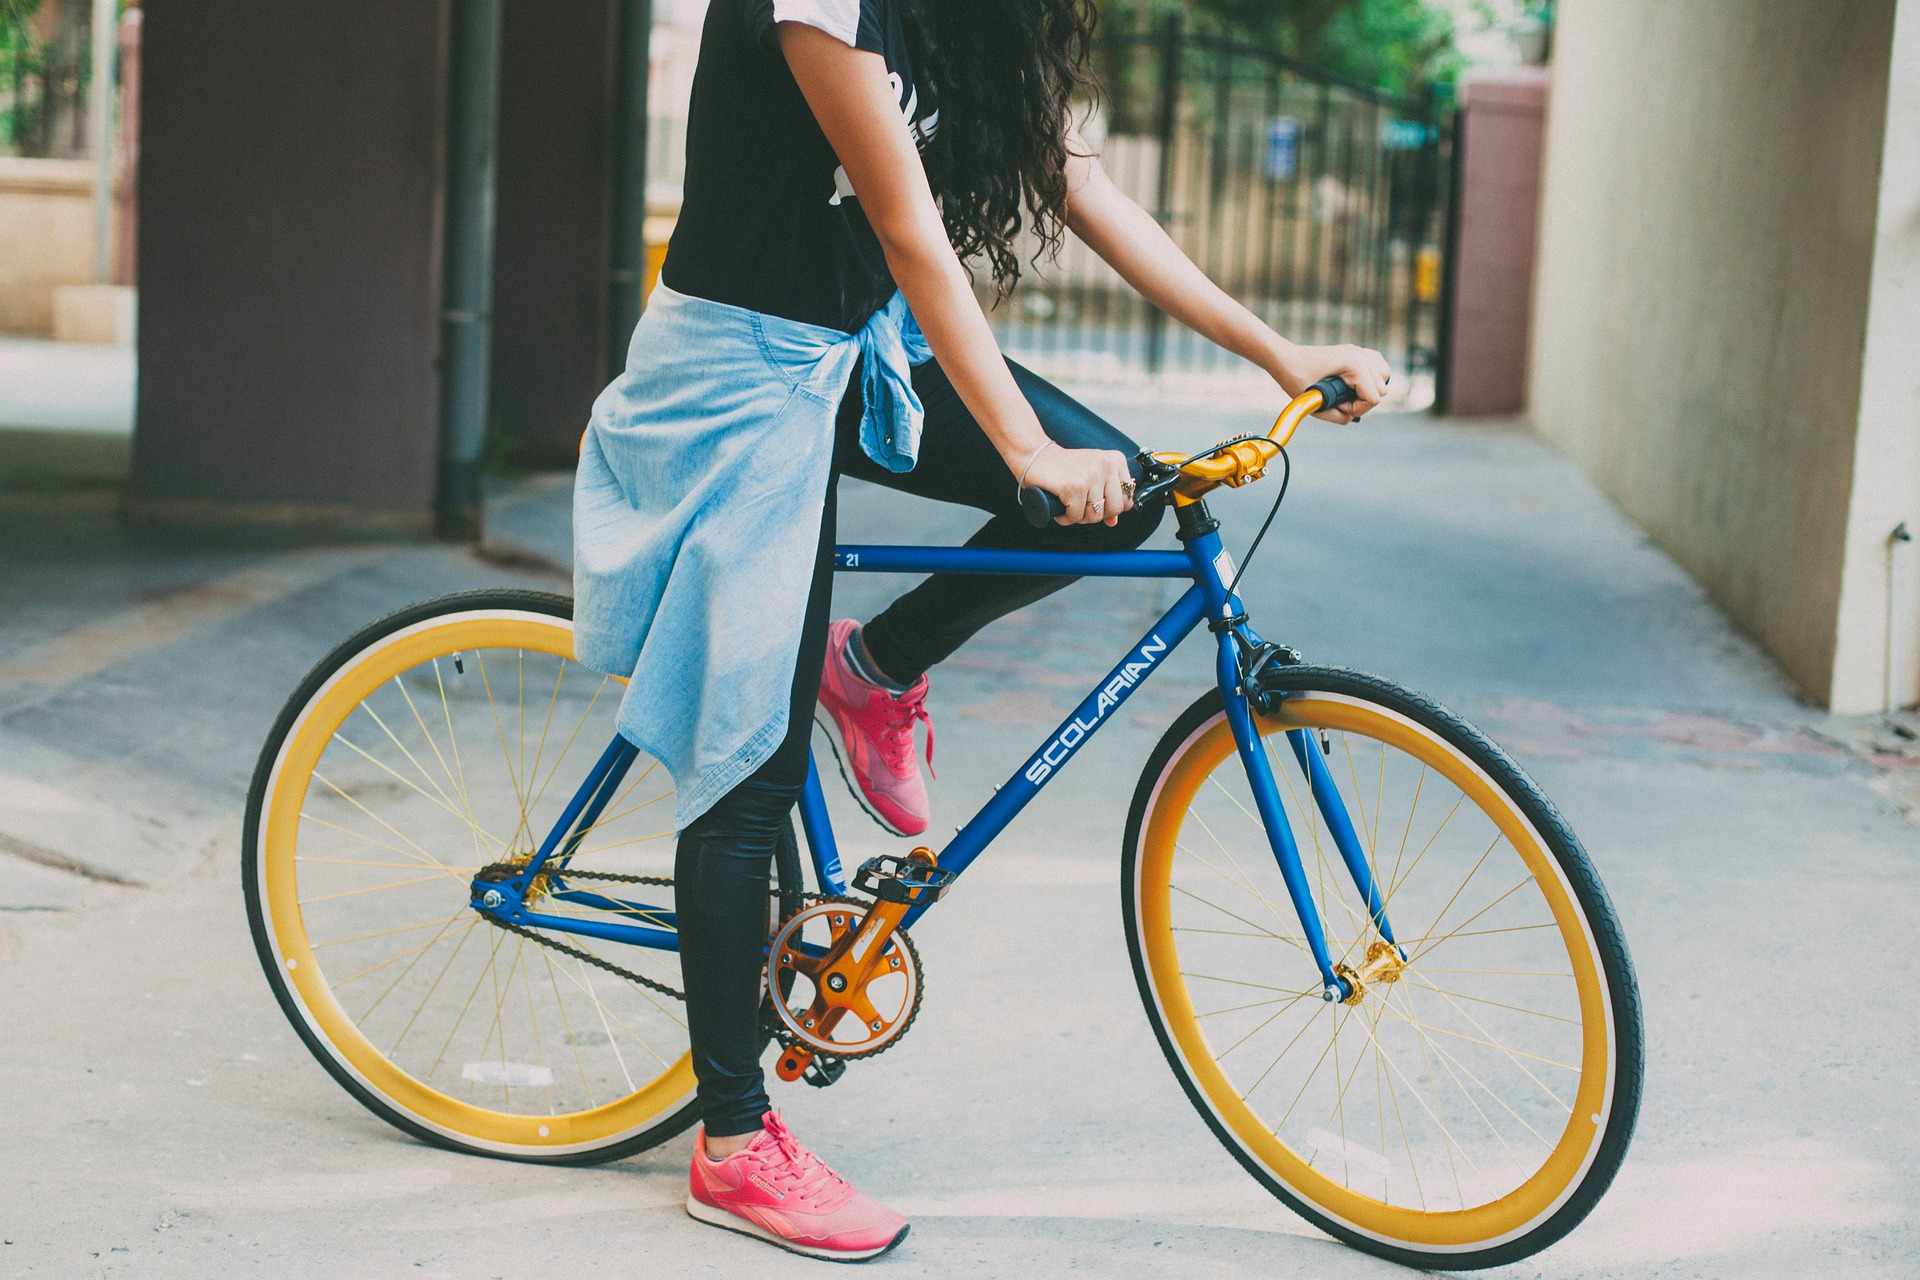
column 1247, row 461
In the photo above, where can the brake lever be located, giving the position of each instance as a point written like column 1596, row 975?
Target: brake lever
column 1164, row 477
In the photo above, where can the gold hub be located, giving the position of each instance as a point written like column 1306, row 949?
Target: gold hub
column 1382, row 964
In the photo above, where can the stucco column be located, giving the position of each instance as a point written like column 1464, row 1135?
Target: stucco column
column 1502, row 134
column 1877, row 638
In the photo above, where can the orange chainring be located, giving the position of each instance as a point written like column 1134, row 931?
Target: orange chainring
column 853, row 982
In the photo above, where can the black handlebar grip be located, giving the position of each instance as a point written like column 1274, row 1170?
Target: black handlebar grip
column 1335, row 391
column 1040, row 507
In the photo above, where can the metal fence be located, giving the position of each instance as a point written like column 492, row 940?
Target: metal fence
column 1319, row 204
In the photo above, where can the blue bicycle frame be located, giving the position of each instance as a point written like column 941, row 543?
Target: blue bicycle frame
column 1203, row 561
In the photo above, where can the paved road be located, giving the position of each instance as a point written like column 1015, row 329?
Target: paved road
column 163, row 1120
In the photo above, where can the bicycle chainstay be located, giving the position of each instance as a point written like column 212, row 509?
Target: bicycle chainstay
column 826, row 1064
column 507, row 870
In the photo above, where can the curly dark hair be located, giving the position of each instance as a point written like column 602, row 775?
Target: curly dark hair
column 1006, row 73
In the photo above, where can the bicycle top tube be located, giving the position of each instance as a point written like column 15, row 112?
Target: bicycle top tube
column 1165, row 476
column 1078, row 564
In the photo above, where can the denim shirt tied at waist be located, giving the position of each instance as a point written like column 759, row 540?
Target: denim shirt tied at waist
column 696, row 518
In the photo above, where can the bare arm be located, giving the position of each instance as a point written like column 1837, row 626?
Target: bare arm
column 1136, row 246
column 850, row 97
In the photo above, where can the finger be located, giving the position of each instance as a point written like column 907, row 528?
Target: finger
column 1367, row 391
column 1117, row 503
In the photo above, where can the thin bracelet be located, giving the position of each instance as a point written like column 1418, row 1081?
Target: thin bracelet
column 1021, row 483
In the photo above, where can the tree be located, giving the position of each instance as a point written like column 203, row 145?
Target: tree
column 1401, row 46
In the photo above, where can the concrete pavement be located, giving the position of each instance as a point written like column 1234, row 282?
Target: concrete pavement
column 66, row 411
column 164, row 1120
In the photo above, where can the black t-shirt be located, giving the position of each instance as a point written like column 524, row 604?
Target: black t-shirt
column 770, row 221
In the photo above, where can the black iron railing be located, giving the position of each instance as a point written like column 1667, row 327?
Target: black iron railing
column 1319, row 204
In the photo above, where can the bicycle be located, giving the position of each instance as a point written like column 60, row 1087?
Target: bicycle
column 1432, row 1051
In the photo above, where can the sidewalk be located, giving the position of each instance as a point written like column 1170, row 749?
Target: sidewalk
column 168, row 1123
column 66, row 411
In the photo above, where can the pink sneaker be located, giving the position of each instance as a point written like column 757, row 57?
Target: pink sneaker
column 872, row 735
column 782, row 1193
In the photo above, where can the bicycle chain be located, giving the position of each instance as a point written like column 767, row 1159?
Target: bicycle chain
column 771, row 1024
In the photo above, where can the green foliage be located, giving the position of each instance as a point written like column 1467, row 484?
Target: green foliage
column 1402, row 46
column 20, row 58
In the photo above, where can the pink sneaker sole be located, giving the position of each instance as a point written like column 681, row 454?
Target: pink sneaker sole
column 713, row 1216
column 826, row 720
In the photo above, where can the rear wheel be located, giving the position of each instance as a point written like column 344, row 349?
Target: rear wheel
column 1473, row 1101
column 441, row 739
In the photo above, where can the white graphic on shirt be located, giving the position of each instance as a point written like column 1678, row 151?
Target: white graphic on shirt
column 921, row 131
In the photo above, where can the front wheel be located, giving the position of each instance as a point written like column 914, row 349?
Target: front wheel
column 1468, row 1106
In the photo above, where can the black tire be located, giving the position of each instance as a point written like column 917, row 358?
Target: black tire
column 1564, row 847
column 538, row 602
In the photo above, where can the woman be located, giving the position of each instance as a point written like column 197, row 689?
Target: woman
column 843, row 158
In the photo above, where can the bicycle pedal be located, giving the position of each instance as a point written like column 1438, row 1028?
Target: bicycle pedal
column 912, row 879
column 822, row 1072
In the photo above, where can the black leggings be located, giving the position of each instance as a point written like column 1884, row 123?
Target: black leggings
column 721, row 865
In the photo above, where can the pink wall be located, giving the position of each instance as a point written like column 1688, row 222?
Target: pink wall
column 1503, row 118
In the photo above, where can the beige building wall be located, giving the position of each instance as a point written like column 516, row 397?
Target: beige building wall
column 46, row 238
column 1714, row 226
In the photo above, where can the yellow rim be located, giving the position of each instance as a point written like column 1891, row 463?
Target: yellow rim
column 287, row 792
column 1481, row 1225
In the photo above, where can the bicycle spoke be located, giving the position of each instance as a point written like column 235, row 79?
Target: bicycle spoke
column 1399, row 1116
column 421, row 858
column 388, row 826
column 492, row 953
column 369, row 889
column 1284, row 1050
column 1428, row 949
column 1258, row 986
column 1280, row 937
column 453, row 738
column 1462, row 886
column 1433, row 1116
column 1513, row 1055
column 1484, row 1088
column 458, row 946
column 1393, row 877
column 566, row 1029
column 384, row 933
column 1337, row 1023
column 628, row 1027
column 506, row 753
column 401, row 747
column 1245, row 879
column 1446, row 1058
column 571, row 738
column 540, row 750
column 328, row 861
column 452, row 956
column 1460, row 995
column 586, row 981
column 546, row 1058
column 649, row 838
column 1257, row 1004
column 1231, row 933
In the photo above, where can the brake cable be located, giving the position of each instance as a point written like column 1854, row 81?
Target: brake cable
column 1286, row 478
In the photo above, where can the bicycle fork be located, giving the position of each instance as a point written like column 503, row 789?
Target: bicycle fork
column 1338, row 981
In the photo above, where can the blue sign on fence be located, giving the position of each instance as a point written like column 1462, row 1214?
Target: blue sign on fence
column 1283, row 149
column 1406, row 135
